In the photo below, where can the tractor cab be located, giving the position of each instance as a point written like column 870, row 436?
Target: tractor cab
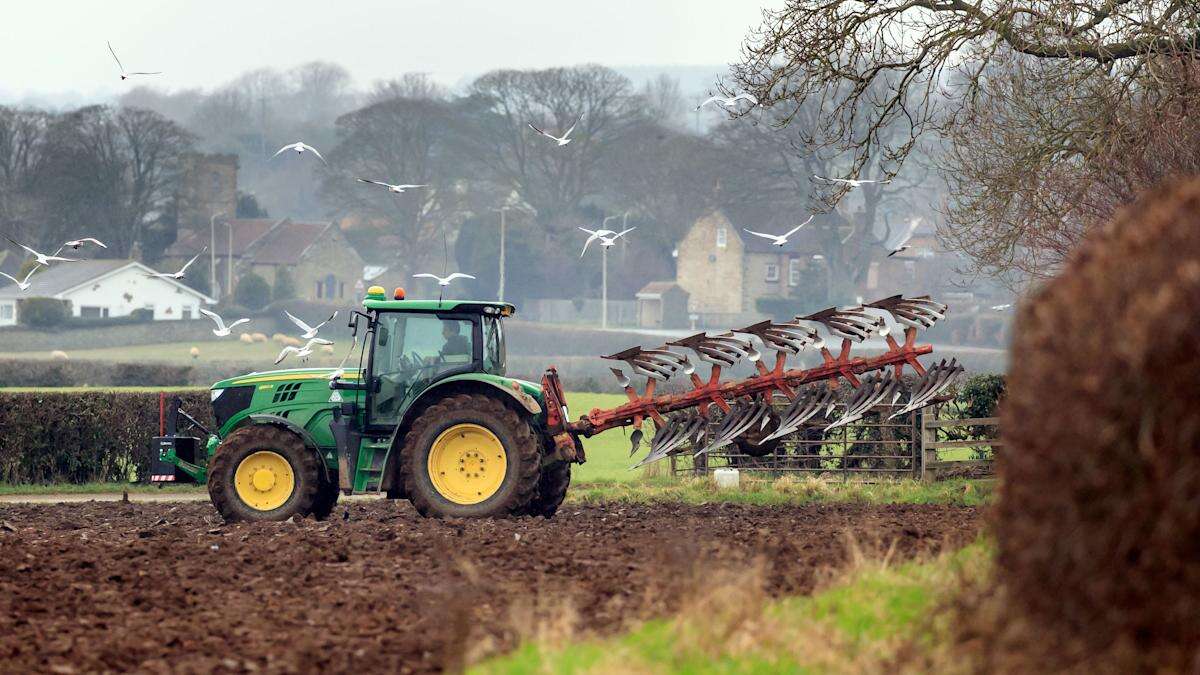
column 413, row 345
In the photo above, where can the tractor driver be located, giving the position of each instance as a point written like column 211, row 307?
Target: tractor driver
column 456, row 344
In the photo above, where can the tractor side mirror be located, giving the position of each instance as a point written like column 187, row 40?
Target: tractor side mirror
column 382, row 338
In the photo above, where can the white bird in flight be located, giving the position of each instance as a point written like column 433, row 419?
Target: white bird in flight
column 443, row 281
column 42, row 258
column 309, row 331
column 126, row 75
column 728, row 101
column 23, row 285
column 902, row 243
column 300, row 147
column 1001, row 308
column 852, row 182
column 222, row 330
column 76, row 244
column 565, row 137
column 182, row 270
column 607, row 238
column 302, row 352
column 398, row 189
column 780, row 240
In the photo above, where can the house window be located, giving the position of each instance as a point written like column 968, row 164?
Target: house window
column 722, row 237
column 86, row 312
column 772, row 272
column 794, row 272
column 6, row 312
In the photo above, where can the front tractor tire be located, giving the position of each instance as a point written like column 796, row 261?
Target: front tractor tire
column 470, row 456
column 263, row 472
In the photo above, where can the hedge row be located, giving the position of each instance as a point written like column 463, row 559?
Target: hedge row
column 39, row 373
column 82, row 437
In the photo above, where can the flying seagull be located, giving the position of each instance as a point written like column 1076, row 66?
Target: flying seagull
column 126, row 75
column 902, row 243
column 221, row 330
column 607, row 238
column 780, row 240
column 443, row 281
column 23, row 285
column 309, row 331
column 76, row 244
column 565, row 137
column 397, row 189
column 995, row 308
column 182, row 270
column 727, row 101
column 300, row 147
column 302, row 352
column 852, row 182
column 42, row 258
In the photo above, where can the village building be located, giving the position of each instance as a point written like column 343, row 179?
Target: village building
column 97, row 289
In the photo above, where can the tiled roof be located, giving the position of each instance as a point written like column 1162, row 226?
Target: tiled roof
column 62, row 277
column 286, row 243
column 656, row 288
column 246, row 231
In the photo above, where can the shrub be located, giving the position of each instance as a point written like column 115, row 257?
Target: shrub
column 253, row 291
column 1099, row 519
column 66, row 373
column 285, row 286
column 82, row 437
column 43, row 312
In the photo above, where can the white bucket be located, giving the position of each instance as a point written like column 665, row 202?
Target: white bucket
column 726, row 478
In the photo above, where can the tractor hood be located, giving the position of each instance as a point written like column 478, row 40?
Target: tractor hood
column 294, row 374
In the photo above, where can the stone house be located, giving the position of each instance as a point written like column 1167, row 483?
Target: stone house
column 662, row 304
column 324, row 266
column 726, row 270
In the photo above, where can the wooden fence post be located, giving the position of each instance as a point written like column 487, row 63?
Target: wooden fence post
column 928, row 449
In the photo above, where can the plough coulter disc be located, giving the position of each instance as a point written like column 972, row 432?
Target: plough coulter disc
column 806, row 406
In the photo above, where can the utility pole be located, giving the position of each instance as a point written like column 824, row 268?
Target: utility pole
column 229, row 261
column 604, row 287
column 212, row 254
column 503, row 211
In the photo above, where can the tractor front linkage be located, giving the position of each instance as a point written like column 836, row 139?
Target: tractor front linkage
column 713, row 414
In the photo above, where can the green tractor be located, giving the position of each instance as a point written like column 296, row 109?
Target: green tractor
column 430, row 417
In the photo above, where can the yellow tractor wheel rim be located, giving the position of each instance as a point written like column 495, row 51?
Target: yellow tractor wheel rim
column 264, row 480
column 467, row 464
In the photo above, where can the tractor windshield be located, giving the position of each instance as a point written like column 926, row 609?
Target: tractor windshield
column 493, row 345
column 411, row 351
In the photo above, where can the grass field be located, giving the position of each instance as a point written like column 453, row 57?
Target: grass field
column 858, row 623
column 179, row 353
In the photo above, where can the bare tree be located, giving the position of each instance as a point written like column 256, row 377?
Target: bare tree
column 399, row 140
column 664, row 102
column 320, row 91
column 553, row 179
column 114, row 171
column 22, row 151
column 887, row 71
column 1041, row 163
column 408, row 85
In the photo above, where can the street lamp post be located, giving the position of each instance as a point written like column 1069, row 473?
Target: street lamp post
column 212, row 252
column 604, row 278
column 229, row 260
column 500, row 291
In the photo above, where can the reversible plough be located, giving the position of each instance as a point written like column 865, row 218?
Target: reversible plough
column 713, row 414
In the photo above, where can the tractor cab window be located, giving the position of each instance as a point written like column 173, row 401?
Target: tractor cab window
column 493, row 345
column 411, row 352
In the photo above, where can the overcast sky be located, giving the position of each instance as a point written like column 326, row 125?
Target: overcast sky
column 50, row 47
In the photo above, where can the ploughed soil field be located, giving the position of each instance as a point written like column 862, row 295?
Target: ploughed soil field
column 168, row 587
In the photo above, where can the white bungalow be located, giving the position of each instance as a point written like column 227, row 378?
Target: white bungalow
column 105, row 288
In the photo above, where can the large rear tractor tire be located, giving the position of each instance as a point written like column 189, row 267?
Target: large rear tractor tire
column 470, row 456
column 263, row 472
